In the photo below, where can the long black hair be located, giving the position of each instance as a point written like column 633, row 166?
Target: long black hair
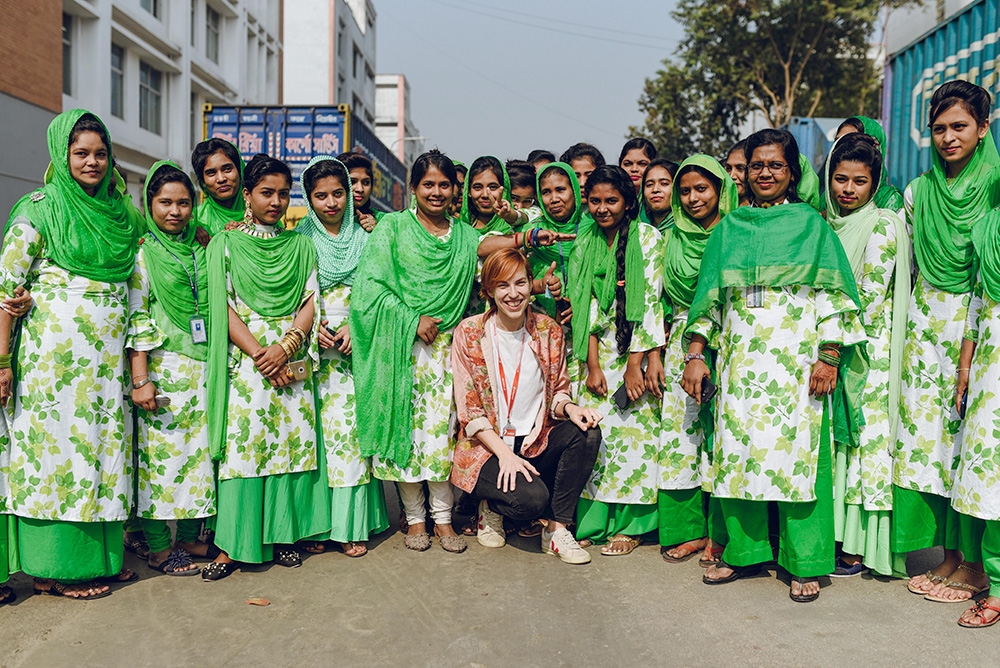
column 164, row 175
column 641, row 143
column 486, row 163
column 204, row 150
column 858, row 147
column 262, row 165
column 322, row 169
column 352, row 161
column 974, row 99
column 432, row 158
column 789, row 149
column 584, row 150
column 618, row 178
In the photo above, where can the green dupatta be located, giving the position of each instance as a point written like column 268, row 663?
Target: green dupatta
column 269, row 275
column 337, row 256
column 405, row 272
column 808, row 187
column 94, row 237
column 496, row 224
column 172, row 264
column 944, row 215
column 854, row 232
column 784, row 245
column 213, row 216
column 684, row 243
column 593, row 270
column 986, row 239
column 887, row 196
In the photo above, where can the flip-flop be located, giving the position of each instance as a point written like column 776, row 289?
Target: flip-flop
column 737, row 573
column 978, row 608
column 8, row 594
column 137, row 546
column 712, row 556
column 677, row 560
column 350, row 545
column 621, row 538
column 59, row 589
column 960, row 586
column 117, row 578
column 933, row 579
column 802, row 598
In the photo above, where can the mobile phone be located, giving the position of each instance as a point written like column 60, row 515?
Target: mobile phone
column 162, row 401
column 301, row 369
column 620, row 397
column 965, row 401
column 331, row 332
column 708, row 389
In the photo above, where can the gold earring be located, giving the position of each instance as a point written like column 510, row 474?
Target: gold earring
column 247, row 215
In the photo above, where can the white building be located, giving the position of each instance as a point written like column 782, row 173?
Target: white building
column 393, row 123
column 906, row 25
column 329, row 55
column 146, row 67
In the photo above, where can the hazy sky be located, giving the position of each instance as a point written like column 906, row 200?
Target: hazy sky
column 506, row 77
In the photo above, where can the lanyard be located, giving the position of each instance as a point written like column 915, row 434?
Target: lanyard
column 192, row 280
column 509, row 401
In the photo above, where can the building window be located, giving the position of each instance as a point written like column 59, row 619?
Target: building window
column 150, row 94
column 151, row 6
column 193, row 10
column 212, row 21
column 67, row 39
column 117, row 81
column 357, row 62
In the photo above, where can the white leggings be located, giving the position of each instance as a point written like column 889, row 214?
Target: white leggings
column 412, row 496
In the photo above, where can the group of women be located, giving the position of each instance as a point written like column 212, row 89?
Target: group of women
column 710, row 352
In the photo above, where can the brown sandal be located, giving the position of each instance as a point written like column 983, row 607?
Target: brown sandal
column 620, row 538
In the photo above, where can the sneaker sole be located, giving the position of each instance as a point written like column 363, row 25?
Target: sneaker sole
column 563, row 559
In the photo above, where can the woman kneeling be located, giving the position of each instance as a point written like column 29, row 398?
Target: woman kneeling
column 519, row 429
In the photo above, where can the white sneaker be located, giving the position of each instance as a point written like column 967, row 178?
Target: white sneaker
column 562, row 544
column 490, row 532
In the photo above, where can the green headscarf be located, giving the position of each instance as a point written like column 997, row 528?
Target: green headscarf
column 496, row 224
column 337, row 256
column 986, row 239
column 684, row 244
column 854, row 232
column 888, row 196
column 808, row 187
column 944, row 215
column 784, row 245
column 269, row 275
column 213, row 216
column 593, row 270
column 405, row 272
column 94, row 237
column 173, row 263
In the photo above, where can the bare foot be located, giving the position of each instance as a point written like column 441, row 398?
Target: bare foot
column 717, row 572
column 352, row 549
column 805, row 588
column 684, row 549
column 441, row 530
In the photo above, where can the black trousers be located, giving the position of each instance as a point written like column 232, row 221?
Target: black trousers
column 564, row 465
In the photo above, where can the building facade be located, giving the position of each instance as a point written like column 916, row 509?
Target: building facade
column 393, row 122
column 907, row 24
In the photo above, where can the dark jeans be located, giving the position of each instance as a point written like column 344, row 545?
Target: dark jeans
column 564, row 465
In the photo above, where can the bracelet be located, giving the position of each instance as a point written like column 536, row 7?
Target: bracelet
column 5, row 360
column 829, row 359
column 142, row 383
column 2, row 367
column 693, row 356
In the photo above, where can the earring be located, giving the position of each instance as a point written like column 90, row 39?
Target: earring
column 248, row 215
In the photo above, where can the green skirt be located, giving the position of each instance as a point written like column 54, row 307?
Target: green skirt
column 598, row 521
column 922, row 520
column 9, row 563
column 69, row 551
column 357, row 512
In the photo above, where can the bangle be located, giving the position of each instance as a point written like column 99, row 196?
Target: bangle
column 829, row 359
column 5, row 360
column 959, row 371
column 142, row 383
column 516, row 242
column 693, row 356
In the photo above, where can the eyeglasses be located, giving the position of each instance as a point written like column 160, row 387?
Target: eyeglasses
column 526, row 202
column 773, row 167
column 478, row 187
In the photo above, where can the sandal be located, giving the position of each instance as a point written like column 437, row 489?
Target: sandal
column 533, row 529
column 933, row 579
column 59, row 589
column 712, row 556
column 128, row 573
column 803, row 598
column 417, row 542
column 632, row 543
column 737, row 573
column 287, row 558
column 678, row 560
column 7, row 595
column 960, row 586
column 353, row 546
column 218, row 570
column 137, row 546
column 978, row 609
column 175, row 561
column 453, row 544
column 313, row 546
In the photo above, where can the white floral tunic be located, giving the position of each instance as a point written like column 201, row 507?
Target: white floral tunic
column 869, row 466
column 977, row 480
column 269, row 430
column 175, row 476
column 627, row 469
column 70, row 451
column 767, row 427
column 682, row 463
column 344, row 464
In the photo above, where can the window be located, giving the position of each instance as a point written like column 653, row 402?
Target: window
column 117, row 81
column 150, row 93
column 357, row 62
column 212, row 21
column 151, row 6
column 67, row 39
column 193, row 9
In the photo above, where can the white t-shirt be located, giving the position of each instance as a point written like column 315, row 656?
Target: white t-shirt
column 531, row 385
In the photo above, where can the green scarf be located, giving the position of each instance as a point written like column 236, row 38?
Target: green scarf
column 684, row 244
column 887, row 196
column 808, row 187
column 338, row 256
column 94, row 237
column 214, row 217
column 854, row 232
column 172, row 263
column 593, row 270
column 269, row 275
column 986, row 239
column 944, row 215
column 784, row 245
column 405, row 272
column 496, row 224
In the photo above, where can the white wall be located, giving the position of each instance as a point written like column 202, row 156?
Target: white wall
column 906, row 25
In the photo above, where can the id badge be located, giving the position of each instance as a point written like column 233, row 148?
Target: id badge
column 509, row 434
column 198, row 332
column 755, row 296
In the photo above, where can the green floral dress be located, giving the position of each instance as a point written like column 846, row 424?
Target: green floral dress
column 627, row 469
column 271, row 430
column 175, row 475
column 344, row 464
column 767, row 427
column 977, row 480
column 683, row 464
column 70, row 452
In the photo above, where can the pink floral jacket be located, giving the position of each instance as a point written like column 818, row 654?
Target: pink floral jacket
column 472, row 363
